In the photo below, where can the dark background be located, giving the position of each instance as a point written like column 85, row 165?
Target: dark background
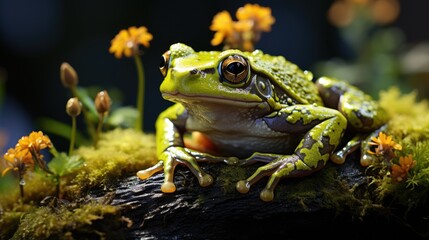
column 37, row 36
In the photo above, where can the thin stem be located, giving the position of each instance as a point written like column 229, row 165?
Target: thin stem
column 140, row 92
column 58, row 187
column 99, row 127
column 53, row 151
column 90, row 127
column 73, row 136
column 21, row 186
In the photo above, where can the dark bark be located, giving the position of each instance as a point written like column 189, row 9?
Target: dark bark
column 317, row 206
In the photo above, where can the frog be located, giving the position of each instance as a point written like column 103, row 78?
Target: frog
column 252, row 107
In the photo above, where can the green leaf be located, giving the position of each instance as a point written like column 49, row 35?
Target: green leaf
column 53, row 126
column 63, row 164
column 88, row 103
column 124, row 117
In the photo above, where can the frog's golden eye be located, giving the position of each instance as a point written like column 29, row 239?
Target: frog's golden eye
column 234, row 69
column 164, row 62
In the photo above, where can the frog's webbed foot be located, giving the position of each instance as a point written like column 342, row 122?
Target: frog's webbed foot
column 359, row 141
column 173, row 156
column 284, row 166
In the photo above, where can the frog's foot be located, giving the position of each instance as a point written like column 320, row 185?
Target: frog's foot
column 204, row 157
column 285, row 166
column 173, row 156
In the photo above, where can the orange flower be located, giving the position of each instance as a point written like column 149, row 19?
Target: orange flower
column 400, row 171
column 127, row 41
column 244, row 33
column 259, row 16
column 17, row 161
column 222, row 24
column 27, row 153
column 385, row 145
column 343, row 12
column 34, row 142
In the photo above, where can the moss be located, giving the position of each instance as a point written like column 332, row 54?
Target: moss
column 11, row 218
column 229, row 176
column 409, row 118
column 88, row 221
column 323, row 188
column 37, row 186
column 9, row 222
column 120, row 152
column 409, row 126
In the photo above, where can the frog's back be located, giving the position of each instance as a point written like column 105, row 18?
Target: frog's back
column 291, row 80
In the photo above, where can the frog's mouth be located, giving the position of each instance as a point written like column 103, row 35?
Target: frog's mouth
column 204, row 99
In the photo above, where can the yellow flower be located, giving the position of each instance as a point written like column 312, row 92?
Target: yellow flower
column 385, row 145
column 222, row 24
column 33, row 143
column 244, row 33
column 259, row 16
column 400, row 171
column 343, row 12
column 127, row 42
column 17, row 161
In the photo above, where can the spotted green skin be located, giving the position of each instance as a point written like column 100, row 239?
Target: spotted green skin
column 279, row 116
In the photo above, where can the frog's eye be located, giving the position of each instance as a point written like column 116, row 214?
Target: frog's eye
column 164, row 62
column 234, row 69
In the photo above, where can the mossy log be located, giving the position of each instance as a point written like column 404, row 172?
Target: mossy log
column 335, row 202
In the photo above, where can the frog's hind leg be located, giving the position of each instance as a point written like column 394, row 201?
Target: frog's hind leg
column 363, row 114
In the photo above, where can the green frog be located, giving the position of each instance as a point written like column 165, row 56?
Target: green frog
column 250, row 107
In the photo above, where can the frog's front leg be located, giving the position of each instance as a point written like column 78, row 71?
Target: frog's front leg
column 321, row 128
column 171, row 151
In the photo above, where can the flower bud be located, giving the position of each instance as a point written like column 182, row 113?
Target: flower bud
column 73, row 107
column 68, row 75
column 102, row 102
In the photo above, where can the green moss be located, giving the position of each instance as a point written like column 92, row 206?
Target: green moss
column 37, row 186
column 408, row 126
column 9, row 222
column 120, row 153
column 229, row 176
column 409, row 118
column 323, row 188
column 88, row 221
column 11, row 218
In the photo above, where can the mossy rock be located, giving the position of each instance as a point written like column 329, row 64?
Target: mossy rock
column 328, row 203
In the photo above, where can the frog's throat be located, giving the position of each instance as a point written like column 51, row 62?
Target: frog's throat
column 201, row 99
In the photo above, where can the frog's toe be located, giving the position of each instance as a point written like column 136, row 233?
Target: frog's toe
column 340, row 156
column 145, row 174
column 168, row 187
column 232, row 161
column 366, row 160
column 205, row 180
column 243, row 186
column 267, row 195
